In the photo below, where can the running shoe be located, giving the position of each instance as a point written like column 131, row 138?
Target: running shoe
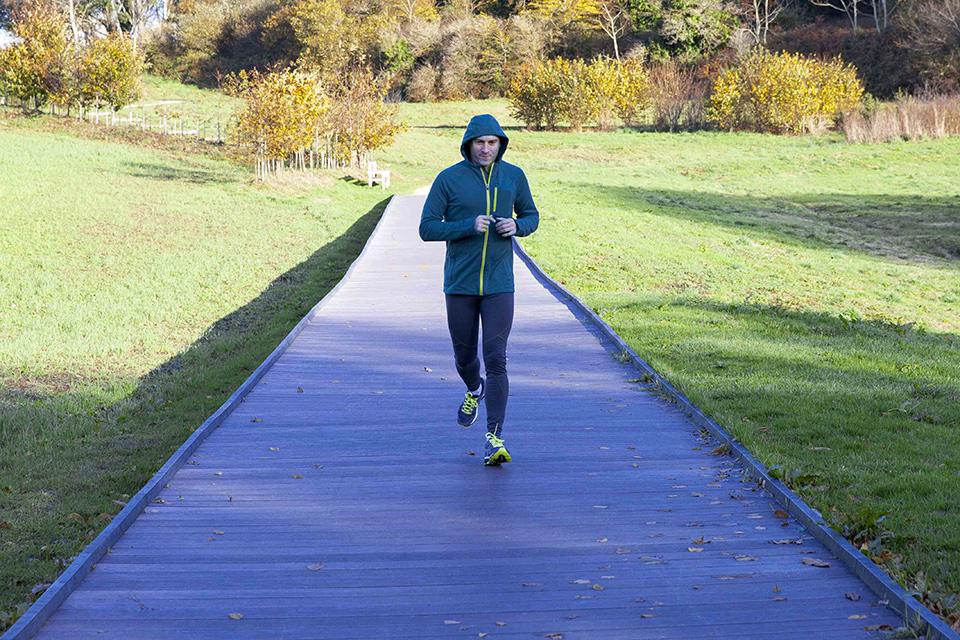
column 495, row 453
column 467, row 413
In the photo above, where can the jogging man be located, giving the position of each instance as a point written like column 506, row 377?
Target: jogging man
column 471, row 207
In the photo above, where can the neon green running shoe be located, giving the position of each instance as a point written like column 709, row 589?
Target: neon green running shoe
column 467, row 413
column 495, row 453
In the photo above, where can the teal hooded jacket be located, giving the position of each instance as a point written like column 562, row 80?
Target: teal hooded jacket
column 478, row 264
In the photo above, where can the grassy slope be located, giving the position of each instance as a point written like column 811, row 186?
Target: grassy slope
column 803, row 291
column 140, row 286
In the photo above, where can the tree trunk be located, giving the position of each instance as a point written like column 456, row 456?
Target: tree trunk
column 73, row 26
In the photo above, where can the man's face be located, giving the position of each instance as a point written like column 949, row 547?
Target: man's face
column 484, row 150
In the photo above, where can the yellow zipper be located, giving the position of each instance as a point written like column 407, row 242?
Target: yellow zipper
column 486, row 234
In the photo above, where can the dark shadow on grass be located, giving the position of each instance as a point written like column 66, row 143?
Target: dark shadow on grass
column 909, row 227
column 856, row 362
column 172, row 174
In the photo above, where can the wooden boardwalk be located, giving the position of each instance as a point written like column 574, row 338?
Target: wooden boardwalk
column 613, row 522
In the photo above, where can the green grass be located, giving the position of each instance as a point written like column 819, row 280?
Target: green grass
column 141, row 284
column 804, row 292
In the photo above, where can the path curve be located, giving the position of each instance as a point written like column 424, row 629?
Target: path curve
column 340, row 500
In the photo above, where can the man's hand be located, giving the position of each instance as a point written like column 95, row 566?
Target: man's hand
column 506, row 227
column 482, row 223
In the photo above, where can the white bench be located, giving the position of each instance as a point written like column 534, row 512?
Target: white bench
column 378, row 175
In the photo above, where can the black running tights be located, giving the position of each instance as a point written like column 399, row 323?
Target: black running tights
column 464, row 315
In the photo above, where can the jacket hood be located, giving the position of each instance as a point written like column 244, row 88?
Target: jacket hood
column 483, row 125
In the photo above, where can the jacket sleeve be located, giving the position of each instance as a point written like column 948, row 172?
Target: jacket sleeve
column 432, row 223
column 528, row 218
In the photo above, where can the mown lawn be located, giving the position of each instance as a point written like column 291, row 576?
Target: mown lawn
column 804, row 292
column 139, row 286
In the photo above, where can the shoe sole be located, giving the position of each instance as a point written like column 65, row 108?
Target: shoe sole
column 469, row 424
column 498, row 457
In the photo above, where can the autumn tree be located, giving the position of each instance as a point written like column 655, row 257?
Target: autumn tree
column 569, row 19
column 760, row 15
column 686, row 29
column 358, row 120
column 331, row 35
column 614, row 20
column 41, row 66
column 110, row 72
column 281, row 114
column 932, row 27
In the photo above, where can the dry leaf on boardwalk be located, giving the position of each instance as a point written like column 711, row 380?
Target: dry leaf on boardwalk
column 299, row 389
column 316, row 566
column 694, row 549
column 623, row 550
column 235, row 616
column 297, row 476
column 813, row 562
column 257, row 420
column 856, row 617
column 780, row 513
column 218, row 533
column 850, row 595
column 597, row 587
column 532, row 584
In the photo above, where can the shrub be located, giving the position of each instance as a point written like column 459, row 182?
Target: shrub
column 546, row 93
column 423, row 84
column 675, row 94
column 783, row 93
column 633, row 91
column 539, row 91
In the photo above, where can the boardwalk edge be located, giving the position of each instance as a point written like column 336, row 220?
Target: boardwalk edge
column 41, row 610
column 914, row 613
